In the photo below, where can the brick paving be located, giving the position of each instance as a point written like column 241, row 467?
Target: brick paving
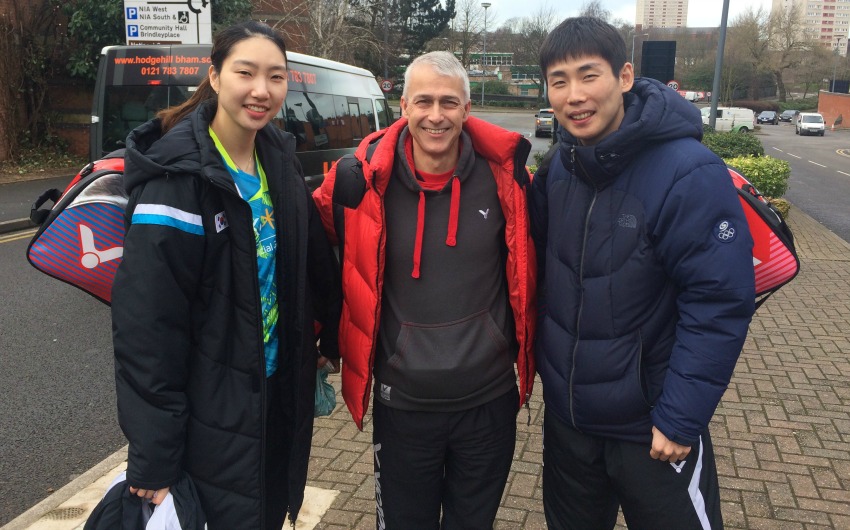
column 781, row 433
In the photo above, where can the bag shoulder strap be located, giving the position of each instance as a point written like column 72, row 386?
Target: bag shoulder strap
column 350, row 185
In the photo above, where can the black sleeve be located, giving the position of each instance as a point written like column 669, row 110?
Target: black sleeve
column 323, row 272
column 151, row 303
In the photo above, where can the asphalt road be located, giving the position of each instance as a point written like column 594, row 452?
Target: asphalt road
column 57, row 398
column 17, row 199
column 820, row 173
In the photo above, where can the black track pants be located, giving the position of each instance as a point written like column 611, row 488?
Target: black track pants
column 586, row 478
column 457, row 461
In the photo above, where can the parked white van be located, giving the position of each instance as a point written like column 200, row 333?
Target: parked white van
column 736, row 119
column 810, row 123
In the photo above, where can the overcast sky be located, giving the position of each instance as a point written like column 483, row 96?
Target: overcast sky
column 701, row 13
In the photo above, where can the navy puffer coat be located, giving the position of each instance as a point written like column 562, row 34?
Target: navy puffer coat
column 646, row 275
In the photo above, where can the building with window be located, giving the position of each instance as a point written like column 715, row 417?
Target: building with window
column 661, row 13
column 824, row 21
column 490, row 59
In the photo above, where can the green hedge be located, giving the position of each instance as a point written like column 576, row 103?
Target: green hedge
column 732, row 144
column 769, row 175
column 757, row 105
column 803, row 105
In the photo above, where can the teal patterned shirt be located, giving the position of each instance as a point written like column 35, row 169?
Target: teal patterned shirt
column 255, row 191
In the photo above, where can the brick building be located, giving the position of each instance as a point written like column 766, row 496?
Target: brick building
column 832, row 105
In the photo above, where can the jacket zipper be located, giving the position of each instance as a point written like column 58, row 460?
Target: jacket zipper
column 529, row 377
column 263, row 382
column 581, row 284
column 288, row 255
column 379, row 285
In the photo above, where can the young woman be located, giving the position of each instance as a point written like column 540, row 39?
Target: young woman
column 226, row 267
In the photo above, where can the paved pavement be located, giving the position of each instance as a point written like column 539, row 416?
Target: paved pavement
column 781, row 433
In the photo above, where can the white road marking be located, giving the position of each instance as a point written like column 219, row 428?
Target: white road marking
column 815, row 163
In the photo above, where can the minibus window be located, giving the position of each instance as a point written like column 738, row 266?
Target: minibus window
column 367, row 117
column 384, row 118
column 308, row 117
column 340, row 128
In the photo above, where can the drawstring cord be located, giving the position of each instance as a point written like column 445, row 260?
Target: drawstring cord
column 451, row 235
column 420, row 229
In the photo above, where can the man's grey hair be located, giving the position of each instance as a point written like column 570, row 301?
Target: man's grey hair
column 445, row 64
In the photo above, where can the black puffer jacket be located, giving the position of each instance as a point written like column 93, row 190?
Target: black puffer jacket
column 187, row 324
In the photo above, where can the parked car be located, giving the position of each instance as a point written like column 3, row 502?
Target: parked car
column 789, row 115
column 768, row 116
column 810, row 123
column 543, row 122
column 736, row 119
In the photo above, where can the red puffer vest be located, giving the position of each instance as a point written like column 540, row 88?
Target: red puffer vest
column 364, row 243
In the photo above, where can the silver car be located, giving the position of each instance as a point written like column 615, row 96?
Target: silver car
column 543, row 122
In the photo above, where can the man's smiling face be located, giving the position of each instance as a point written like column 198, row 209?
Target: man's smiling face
column 587, row 96
column 435, row 107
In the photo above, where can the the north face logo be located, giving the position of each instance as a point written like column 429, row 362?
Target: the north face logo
column 627, row 220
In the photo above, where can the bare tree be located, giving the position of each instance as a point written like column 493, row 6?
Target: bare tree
column 533, row 31
column 813, row 69
column 594, row 8
column 333, row 29
column 467, row 27
column 788, row 43
column 750, row 35
column 737, row 64
column 695, row 56
column 32, row 48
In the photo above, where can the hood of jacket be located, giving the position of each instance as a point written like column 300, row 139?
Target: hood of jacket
column 498, row 146
column 186, row 150
column 654, row 113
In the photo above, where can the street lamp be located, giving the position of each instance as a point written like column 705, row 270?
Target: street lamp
column 633, row 46
column 835, row 61
column 485, row 5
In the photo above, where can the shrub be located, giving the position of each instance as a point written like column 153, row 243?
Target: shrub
column 538, row 157
column 769, row 175
column 782, row 205
column 803, row 105
column 757, row 105
column 732, row 144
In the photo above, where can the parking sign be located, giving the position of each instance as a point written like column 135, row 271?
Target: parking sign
column 168, row 22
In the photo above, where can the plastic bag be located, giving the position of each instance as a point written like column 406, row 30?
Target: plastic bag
column 325, row 393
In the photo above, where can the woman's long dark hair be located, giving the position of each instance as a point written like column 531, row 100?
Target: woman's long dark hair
column 223, row 45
